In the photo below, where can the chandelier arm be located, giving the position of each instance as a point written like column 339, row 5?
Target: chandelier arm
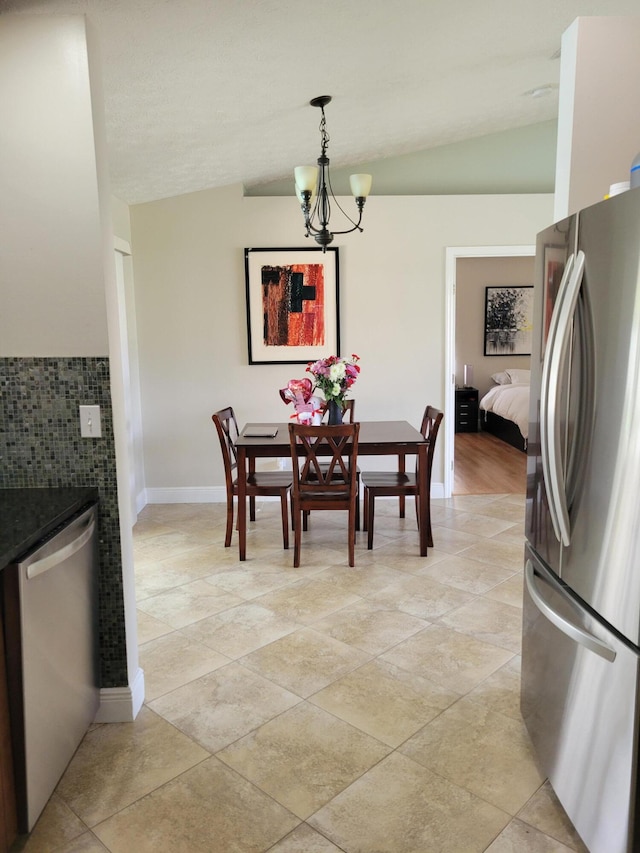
column 356, row 225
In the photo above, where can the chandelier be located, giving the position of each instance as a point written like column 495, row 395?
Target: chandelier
column 313, row 188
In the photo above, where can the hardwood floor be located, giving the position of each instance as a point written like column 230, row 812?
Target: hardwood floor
column 485, row 465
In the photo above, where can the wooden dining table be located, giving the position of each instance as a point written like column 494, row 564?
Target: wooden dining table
column 377, row 438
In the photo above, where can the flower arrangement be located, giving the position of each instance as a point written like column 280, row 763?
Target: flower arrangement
column 334, row 376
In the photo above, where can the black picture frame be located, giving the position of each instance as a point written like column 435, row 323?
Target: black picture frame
column 293, row 304
column 508, row 320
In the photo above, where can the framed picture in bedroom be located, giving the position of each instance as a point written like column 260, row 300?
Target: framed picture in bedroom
column 293, row 305
column 508, row 320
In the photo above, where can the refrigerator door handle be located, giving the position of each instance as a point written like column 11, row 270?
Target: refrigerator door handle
column 547, row 413
column 551, row 445
column 578, row 635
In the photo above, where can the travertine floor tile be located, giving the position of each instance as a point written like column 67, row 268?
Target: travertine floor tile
column 209, row 809
column 509, row 591
column 241, row 629
column 451, row 659
column 370, row 626
column 189, row 603
column 304, row 757
column 503, row 554
column 477, row 524
column 421, row 596
column 519, row 836
column 150, row 628
column 401, row 807
column 501, row 690
column 488, row 620
column 304, row 839
column 249, row 583
column 453, row 541
column 307, row 601
column 397, row 655
column 173, row 660
column 57, row 826
column 468, row 575
column 361, row 579
column 544, row 812
column 86, row 843
column 481, row 750
column 223, row 706
column 118, row 763
column 305, row 661
column 384, row 701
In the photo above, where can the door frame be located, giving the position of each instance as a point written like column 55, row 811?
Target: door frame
column 451, row 261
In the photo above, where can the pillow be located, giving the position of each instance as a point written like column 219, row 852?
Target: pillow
column 501, row 378
column 521, row 377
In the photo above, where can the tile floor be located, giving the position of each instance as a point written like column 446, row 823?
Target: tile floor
column 366, row 710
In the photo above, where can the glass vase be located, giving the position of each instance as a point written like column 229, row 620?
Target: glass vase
column 335, row 412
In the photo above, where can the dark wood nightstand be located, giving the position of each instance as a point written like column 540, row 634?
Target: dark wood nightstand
column 466, row 410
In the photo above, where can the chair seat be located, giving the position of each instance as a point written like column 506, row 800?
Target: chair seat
column 380, row 480
column 269, row 479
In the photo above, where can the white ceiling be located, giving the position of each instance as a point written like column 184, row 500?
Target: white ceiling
column 206, row 93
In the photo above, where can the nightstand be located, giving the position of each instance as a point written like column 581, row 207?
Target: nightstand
column 466, row 410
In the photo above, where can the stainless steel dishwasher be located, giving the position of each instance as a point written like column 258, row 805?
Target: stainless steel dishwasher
column 51, row 636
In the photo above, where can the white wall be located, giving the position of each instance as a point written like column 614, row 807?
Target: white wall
column 190, row 302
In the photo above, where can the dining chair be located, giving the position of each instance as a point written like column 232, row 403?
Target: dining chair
column 402, row 484
column 348, row 412
column 324, row 476
column 259, row 483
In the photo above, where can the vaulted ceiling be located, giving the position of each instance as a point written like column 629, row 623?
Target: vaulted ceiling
column 206, row 93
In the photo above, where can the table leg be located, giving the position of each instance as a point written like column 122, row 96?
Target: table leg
column 402, row 467
column 422, row 503
column 242, row 502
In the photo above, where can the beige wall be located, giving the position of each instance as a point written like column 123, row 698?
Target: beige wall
column 52, row 273
column 188, row 257
column 473, row 275
column 599, row 119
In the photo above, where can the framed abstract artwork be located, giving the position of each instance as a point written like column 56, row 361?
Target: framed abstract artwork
column 293, row 309
column 508, row 320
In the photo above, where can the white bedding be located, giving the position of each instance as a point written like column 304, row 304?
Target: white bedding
column 510, row 402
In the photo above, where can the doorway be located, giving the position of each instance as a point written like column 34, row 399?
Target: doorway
column 454, row 371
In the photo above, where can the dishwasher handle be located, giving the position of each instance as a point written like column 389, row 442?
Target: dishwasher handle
column 38, row 567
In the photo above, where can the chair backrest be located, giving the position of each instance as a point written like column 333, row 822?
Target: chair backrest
column 227, row 426
column 348, row 410
column 324, row 459
column 431, row 421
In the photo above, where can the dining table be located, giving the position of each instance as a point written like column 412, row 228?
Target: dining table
column 377, row 438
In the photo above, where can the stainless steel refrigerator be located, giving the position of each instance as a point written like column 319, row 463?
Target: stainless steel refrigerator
column 581, row 626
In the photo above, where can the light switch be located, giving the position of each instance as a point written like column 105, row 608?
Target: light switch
column 90, row 426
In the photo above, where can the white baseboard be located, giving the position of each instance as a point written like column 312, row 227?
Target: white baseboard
column 187, row 495
column 121, row 704
column 218, row 494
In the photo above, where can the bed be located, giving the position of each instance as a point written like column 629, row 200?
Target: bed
column 505, row 407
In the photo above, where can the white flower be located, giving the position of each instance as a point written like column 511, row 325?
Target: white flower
column 337, row 389
column 337, row 372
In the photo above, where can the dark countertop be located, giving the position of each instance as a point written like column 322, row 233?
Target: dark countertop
column 28, row 515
